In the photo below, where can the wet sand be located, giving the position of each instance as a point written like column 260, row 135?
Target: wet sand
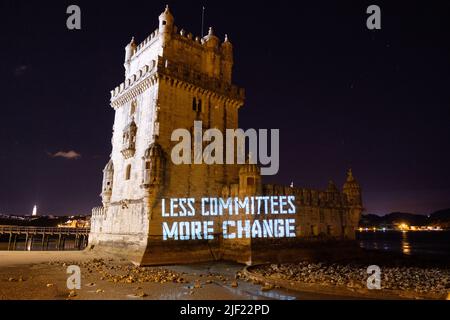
column 42, row 276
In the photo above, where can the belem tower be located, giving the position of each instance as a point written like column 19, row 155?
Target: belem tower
column 171, row 80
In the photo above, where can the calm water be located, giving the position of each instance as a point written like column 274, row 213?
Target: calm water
column 423, row 243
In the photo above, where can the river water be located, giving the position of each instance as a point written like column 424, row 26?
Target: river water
column 410, row 243
column 424, row 243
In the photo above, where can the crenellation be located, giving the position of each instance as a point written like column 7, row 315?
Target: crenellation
column 178, row 75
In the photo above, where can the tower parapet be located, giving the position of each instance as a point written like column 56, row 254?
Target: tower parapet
column 352, row 190
column 166, row 24
column 206, row 55
column 107, row 185
column 250, row 180
column 130, row 50
column 153, row 165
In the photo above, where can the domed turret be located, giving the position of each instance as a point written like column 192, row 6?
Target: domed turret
column 129, row 140
column 352, row 189
column 153, row 166
column 227, row 48
column 227, row 62
column 211, row 40
column 130, row 50
column 166, row 20
column 107, row 185
column 332, row 187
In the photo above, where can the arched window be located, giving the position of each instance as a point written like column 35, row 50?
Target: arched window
column 194, row 104
column 128, row 172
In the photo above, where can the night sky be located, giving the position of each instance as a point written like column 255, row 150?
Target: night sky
column 342, row 95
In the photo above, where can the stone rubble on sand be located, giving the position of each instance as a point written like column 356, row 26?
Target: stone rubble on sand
column 419, row 280
column 126, row 273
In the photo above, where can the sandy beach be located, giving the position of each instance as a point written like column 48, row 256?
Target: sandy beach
column 35, row 275
column 42, row 276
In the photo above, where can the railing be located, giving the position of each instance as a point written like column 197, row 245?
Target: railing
column 43, row 230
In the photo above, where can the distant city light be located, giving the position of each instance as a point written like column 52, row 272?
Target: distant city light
column 34, row 214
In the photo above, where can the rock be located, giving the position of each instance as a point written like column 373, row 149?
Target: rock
column 72, row 294
column 11, row 280
column 50, row 285
column 99, row 291
column 267, row 287
column 141, row 294
column 234, row 284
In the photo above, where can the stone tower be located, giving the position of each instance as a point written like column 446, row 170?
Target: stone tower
column 171, row 80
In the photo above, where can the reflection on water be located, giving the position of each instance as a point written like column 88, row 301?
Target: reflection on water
column 436, row 243
column 406, row 249
column 276, row 295
column 255, row 291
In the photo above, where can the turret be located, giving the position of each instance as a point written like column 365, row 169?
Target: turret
column 107, row 185
column 227, row 49
column 211, row 43
column 227, row 62
column 166, row 21
column 153, row 166
column 130, row 50
column 129, row 140
column 352, row 190
column 250, row 183
column 153, row 174
column 332, row 192
column 211, row 40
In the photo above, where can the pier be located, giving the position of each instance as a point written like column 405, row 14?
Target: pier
column 41, row 236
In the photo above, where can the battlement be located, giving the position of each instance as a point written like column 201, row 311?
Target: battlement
column 308, row 197
column 176, row 71
column 182, row 35
column 146, row 43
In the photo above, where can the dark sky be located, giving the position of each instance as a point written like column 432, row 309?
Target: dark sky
column 342, row 95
